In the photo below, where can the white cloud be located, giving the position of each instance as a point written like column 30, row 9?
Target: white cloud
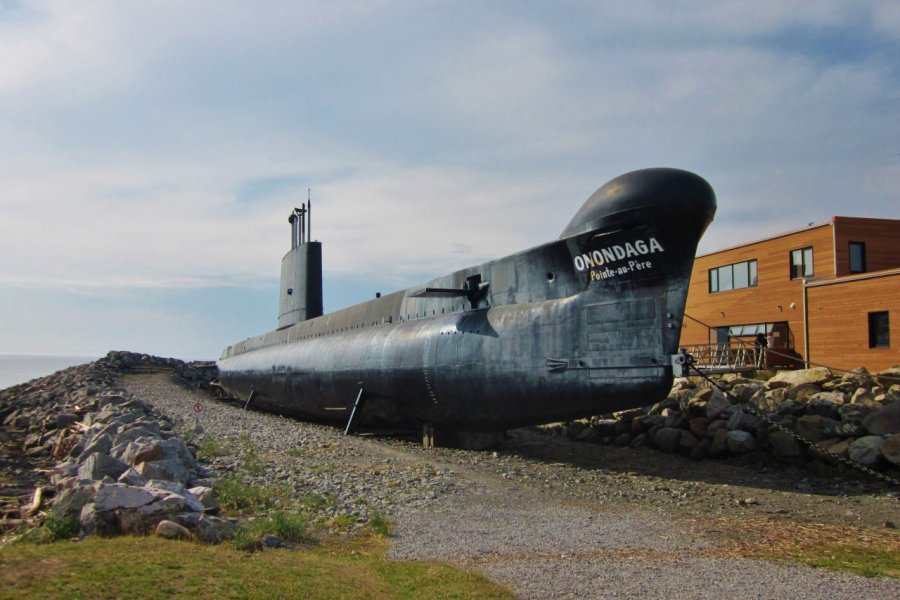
column 162, row 145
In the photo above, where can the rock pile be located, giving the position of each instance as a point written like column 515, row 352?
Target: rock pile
column 120, row 467
column 854, row 416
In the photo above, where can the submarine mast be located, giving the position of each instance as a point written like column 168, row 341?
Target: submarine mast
column 301, row 271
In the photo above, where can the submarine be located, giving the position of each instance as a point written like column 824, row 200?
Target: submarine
column 583, row 325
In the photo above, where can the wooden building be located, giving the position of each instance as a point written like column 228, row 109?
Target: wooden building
column 826, row 294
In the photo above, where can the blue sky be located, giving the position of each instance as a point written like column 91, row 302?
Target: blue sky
column 150, row 153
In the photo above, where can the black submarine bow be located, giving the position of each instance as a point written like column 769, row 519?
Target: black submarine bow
column 583, row 325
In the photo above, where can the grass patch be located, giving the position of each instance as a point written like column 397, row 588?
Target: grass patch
column 865, row 551
column 862, row 561
column 381, row 524
column 253, row 464
column 235, row 495
column 135, row 567
column 209, row 447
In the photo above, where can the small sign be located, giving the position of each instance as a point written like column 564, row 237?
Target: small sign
column 198, row 408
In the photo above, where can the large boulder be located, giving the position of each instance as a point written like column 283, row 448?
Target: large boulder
column 884, row 422
column 815, row 376
column 889, row 376
column 890, row 449
column 815, row 428
column 97, row 466
column 784, row 445
column 740, row 442
column 867, row 451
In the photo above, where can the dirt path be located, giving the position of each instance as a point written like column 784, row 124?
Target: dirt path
column 554, row 518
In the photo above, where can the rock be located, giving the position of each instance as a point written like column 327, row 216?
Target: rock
column 168, row 470
column 743, row 421
column 867, row 451
column 271, row 541
column 97, row 466
column 815, row 376
column 717, row 404
column 719, row 445
column 697, row 403
column 862, row 396
column 698, row 426
column 639, row 440
column 855, row 412
column 572, row 429
column 148, row 452
column 675, row 419
column 815, row 428
column 623, row 439
column 667, row 439
column 212, row 530
column 889, row 376
column 801, row 393
column 740, row 442
column 784, row 445
column 822, row 406
column 890, row 449
column 172, row 531
column 131, row 477
column 745, row 391
column 99, row 444
column 885, row 421
column 701, row 450
column 841, row 448
column 118, row 496
column 687, row 442
column 72, row 500
column 847, row 429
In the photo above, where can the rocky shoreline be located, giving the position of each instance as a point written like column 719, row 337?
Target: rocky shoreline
column 808, row 417
column 118, row 456
column 548, row 515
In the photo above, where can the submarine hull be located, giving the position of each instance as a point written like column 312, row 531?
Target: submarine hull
column 580, row 326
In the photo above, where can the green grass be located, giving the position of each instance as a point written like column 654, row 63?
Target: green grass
column 209, row 447
column 290, row 527
column 253, row 463
column 380, row 524
column 235, row 496
column 151, row 568
column 868, row 562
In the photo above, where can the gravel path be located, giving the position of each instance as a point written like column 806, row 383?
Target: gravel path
column 542, row 515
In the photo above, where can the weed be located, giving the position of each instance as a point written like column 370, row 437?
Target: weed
column 234, row 494
column 252, row 461
column 244, row 539
column 342, row 522
column 298, row 452
column 381, row 524
column 317, row 502
column 209, row 447
column 61, row 527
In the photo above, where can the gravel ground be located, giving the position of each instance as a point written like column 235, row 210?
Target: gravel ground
column 549, row 517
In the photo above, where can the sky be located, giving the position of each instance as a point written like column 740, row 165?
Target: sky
column 151, row 152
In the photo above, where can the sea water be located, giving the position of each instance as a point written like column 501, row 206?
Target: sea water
column 19, row 368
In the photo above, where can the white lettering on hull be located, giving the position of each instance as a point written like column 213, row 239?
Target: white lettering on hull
column 611, row 254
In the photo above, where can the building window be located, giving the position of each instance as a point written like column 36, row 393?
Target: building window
column 857, row 257
column 801, row 263
column 879, row 330
column 733, row 277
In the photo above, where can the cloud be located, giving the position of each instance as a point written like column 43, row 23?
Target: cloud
column 161, row 146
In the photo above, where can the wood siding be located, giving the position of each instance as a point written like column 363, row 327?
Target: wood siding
column 882, row 239
column 774, row 287
column 839, row 321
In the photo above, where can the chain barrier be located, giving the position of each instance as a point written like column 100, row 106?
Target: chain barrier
column 770, row 421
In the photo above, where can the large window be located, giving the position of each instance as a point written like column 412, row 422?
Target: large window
column 857, row 257
column 801, row 263
column 733, row 277
column 879, row 330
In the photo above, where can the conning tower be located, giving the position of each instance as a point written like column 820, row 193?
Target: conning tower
column 301, row 272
